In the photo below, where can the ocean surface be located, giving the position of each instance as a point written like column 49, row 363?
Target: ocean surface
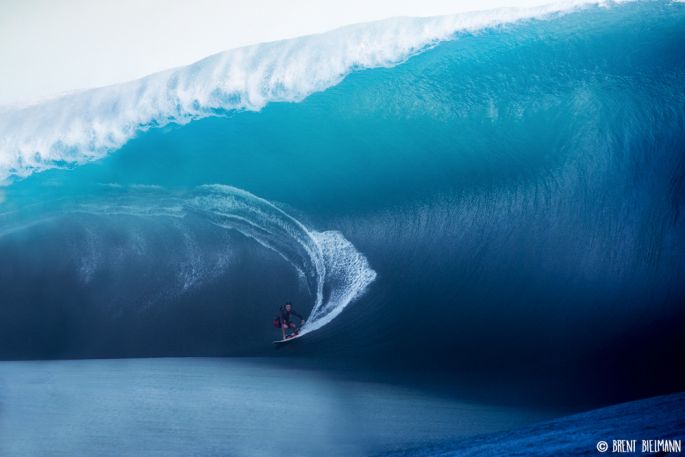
column 495, row 195
column 226, row 407
column 627, row 428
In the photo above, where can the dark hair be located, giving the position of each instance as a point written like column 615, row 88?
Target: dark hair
column 288, row 303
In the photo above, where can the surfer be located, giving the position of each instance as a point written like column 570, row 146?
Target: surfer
column 284, row 316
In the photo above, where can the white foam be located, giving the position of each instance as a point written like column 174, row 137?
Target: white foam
column 85, row 126
column 347, row 276
column 334, row 271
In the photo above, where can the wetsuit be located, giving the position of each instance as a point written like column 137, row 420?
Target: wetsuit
column 285, row 315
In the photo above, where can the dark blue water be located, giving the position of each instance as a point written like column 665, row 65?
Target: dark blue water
column 648, row 426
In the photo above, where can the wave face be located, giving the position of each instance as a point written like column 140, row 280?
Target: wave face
column 332, row 272
column 510, row 198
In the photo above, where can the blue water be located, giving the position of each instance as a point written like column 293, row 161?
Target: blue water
column 219, row 407
column 653, row 425
column 503, row 200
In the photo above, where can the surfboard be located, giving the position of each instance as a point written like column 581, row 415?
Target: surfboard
column 285, row 341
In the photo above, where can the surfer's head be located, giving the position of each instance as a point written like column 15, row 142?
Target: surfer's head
column 288, row 306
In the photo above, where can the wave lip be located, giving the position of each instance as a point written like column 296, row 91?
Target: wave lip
column 85, row 126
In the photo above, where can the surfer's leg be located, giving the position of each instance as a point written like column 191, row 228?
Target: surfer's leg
column 294, row 328
column 283, row 327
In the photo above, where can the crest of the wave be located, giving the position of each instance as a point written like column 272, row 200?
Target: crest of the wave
column 85, row 126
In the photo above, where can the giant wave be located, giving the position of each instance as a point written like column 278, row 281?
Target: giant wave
column 514, row 197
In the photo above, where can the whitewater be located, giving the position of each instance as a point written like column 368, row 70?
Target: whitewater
column 332, row 269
